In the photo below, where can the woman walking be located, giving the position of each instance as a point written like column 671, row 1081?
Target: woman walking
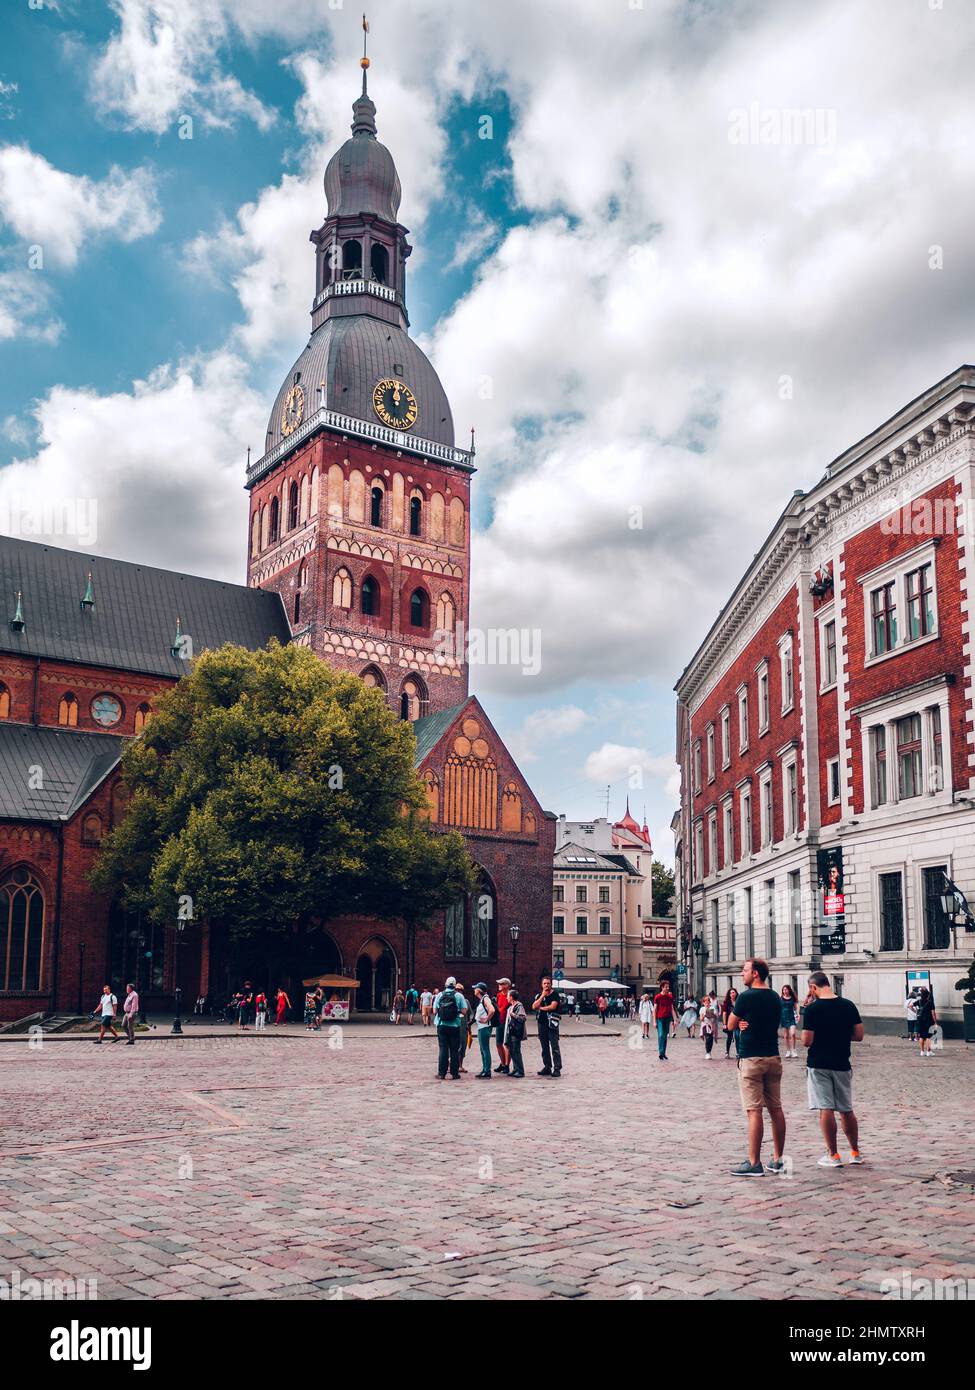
column 926, row 1019
column 399, row 1004
column 284, row 1004
column 688, row 1018
column 483, row 1015
column 665, row 1012
column 728, row 1008
column 708, row 1026
column 646, row 1013
column 790, row 1019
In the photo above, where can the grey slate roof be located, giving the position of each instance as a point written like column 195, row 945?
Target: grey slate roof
column 350, row 355
column 71, row 765
column 431, row 728
column 584, row 859
column 133, row 623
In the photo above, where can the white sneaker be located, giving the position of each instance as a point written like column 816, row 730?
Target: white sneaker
column 828, row 1161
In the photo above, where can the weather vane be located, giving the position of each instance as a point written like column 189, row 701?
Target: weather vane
column 364, row 60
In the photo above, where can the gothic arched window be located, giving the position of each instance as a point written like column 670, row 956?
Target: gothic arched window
column 369, row 598
column 297, row 608
column 416, row 512
column 273, row 527
column 376, row 506
column 293, row 497
column 372, row 676
column 142, row 718
column 4, row 702
column 91, row 830
column 413, row 699
column 342, row 589
column 21, row 930
column 419, row 608
column 68, row 710
column 471, row 924
column 379, row 258
column 446, row 613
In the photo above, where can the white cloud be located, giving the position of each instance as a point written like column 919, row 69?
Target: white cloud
column 546, row 726
column 60, row 211
column 157, row 469
column 617, row 762
column 25, row 308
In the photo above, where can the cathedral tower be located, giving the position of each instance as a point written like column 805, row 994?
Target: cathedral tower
column 360, row 503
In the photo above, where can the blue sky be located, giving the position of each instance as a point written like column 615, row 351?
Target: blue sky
column 612, row 287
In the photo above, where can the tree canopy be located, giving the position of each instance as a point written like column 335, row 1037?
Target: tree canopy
column 271, row 790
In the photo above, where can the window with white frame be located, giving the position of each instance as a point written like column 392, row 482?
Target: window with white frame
column 901, row 603
column 785, row 671
column 746, row 821
column 763, row 698
column 698, row 851
column 728, row 829
column 713, row 843
column 827, row 653
column 710, row 745
column 790, row 796
column 766, row 809
column 732, row 942
column 697, row 765
column 743, row 719
column 833, row 781
column 715, row 932
column 903, row 750
column 725, row 737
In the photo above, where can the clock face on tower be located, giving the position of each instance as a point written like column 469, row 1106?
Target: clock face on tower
column 294, row 409
column 395, row 404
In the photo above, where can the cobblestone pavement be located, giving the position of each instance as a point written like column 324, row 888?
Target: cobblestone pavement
column 287, row 1167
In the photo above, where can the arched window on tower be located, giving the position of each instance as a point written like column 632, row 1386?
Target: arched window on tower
column 376, row 506
column 419, row 608
column 297, row 617
column 379, row 258
column 4, row 702
column 369, row 597
column 342, row 589
column 413, row 699
column 273, row 526
column 373, row 677
column 416, row 513
column 351, row 260
column 446, row 613
column 21, row 930
column 293, row 497
column 68, row 710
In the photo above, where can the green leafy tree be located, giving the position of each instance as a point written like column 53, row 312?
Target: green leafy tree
column 662, row 884
column 275, row 794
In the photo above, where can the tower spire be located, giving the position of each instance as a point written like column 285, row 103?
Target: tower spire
column 364, row 60
column 364, row 108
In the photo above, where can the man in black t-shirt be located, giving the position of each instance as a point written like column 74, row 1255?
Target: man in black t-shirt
column 548, row 1006
column 757, row 1012
column 830, row 1025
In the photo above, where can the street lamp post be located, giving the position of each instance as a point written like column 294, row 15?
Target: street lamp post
column 177, row 992
column 515, row 933
column 81, row 977
column 701, row 955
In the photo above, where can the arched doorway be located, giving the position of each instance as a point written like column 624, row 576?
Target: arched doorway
column 376, row 972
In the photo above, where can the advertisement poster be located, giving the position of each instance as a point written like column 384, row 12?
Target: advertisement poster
column 336, row 1009
column 832, row 901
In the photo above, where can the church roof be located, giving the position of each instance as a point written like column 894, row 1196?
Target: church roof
column 361, row 176
column 431, row 728
column 70, row 766
column 132, row 624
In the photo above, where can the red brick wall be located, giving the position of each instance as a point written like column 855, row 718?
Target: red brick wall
column 36, row 689
column 761, row 748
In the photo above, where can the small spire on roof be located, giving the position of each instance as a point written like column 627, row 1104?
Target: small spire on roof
column 177, row 648
column 17, row 621
column 88, row 597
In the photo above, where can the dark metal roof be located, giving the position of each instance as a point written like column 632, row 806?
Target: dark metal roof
column 361, row 176
column 64, row 767
column 431, row 728
column 349, row 356
column 584, row 859
column 133, row 623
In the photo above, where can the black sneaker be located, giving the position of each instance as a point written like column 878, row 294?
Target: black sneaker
column 556, row 1073
column 748, row 1170
column 500, row 1067
column 545, row 1071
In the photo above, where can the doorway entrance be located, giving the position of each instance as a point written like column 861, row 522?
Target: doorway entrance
column 376, row 972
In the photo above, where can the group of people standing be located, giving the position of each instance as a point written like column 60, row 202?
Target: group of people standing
column 500, row 1015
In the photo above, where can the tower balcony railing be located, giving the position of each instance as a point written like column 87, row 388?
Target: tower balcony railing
column 357, row 286
column 361, row 429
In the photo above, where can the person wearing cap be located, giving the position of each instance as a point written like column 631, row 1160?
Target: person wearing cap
column 483, row 1016
column 501, row 1012
column 548, row 1005
column 449, row 1012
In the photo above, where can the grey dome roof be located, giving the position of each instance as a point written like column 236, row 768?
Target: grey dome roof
column 361, row 176
column 350, row 355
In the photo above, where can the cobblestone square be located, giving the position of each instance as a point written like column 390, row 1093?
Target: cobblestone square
column 286, row 1167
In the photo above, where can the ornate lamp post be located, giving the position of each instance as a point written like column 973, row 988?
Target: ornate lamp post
column 701, row 955
column 81, row 977
column 515, row 933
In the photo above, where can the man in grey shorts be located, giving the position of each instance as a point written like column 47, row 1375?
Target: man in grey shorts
column 829, row 1026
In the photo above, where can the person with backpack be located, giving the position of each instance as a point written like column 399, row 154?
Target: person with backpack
column 412, row 1003
column 926, row 1020
column 450, row 1015
column 484, row 1013
column 399, row 1004
column 106, row 1012
column 260, row 1011
column 515, row 1027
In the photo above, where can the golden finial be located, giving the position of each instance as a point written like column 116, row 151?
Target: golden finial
column 364, row 60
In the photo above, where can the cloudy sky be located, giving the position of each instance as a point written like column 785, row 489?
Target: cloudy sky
column 663, row 303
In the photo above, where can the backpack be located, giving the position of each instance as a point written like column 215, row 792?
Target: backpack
column 448, row 1012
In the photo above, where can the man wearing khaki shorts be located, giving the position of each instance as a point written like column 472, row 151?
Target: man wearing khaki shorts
column 756, row 1014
